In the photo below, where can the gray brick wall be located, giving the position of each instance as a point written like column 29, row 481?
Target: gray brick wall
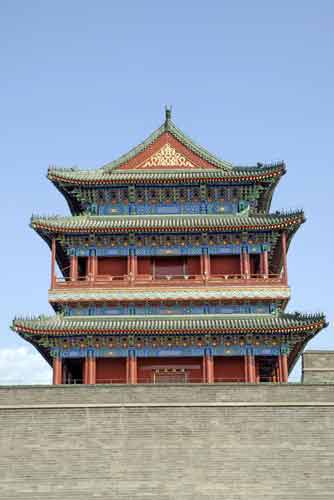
column 318, row 367
column 167, row 442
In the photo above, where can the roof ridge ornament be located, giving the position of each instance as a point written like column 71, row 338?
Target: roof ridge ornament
column 168, row 115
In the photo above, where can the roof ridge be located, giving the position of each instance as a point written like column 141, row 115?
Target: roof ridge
column 168, row 126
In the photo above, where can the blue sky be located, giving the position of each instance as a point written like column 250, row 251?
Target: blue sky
column 81, row 82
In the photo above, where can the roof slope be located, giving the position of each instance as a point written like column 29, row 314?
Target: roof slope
column 170, row 130
column 165, row 223
column 242, row 323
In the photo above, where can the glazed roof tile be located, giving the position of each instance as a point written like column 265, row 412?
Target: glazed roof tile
column 100, row 176
column 163, row 223
column 111, row 173
column 254, row 323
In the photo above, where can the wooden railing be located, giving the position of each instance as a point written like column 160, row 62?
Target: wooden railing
column 107, row 281
column 190, row 380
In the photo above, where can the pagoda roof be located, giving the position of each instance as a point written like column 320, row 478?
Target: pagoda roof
column 167, row 156
column 101, row 177
column 191, row 324
column 296, row 328
column 82, row 224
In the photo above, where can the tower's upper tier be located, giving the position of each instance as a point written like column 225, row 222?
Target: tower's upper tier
column 168, row 159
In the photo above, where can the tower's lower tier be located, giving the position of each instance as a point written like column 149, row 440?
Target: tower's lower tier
column 205, row 368
column 167, row 349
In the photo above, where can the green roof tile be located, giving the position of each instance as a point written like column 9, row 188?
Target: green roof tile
column 254, row 323
column 163, row 223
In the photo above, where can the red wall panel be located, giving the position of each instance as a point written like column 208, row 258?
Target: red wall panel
column 144, row 265
column 110, row 369
column 229, row 369
column 225, row 264
column 147, row 366
column 193, row 265
column 113, row 266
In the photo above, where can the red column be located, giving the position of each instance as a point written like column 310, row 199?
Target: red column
column 92, row 267
column 53, row 263
column 242, row 271
column 74, row 268
column 209, row 368
column 89, row 267
column 132, row 267
column 206, row 266
column 57, row 370
column 132, row 368
column 251, row 369
column 284, row 257
column 204, row 368
column 245, row 264
column 280, row 376
column 246, row 368
column 265, row 262
column 85, row 371
column 261, row 263
column 284, row 368
column 90, row 370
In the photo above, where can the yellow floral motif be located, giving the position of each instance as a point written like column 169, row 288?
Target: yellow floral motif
column 167, row 156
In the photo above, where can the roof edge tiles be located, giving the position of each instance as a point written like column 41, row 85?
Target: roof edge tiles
column 162, row 223
column 255, row 323
column 74, row 176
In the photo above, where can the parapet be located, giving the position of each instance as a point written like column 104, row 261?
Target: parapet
column 318, row 367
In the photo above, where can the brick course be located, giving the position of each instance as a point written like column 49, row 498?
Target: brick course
column 162, row 447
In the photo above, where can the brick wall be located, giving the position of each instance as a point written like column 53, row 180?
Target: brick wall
column 318, row 367
column 167, row 442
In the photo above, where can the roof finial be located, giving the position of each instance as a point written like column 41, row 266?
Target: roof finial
column 168, row 113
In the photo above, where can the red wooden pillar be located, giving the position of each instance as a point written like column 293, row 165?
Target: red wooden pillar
column 85, row 371
column 131, row 368
column 245, row 264
column 53, row 263
column 92, row 267
column 57, row 370
column 265, row 261
column 284, row 257
column 210, row 378
column 132, row 267
column 251, row 368
column 74, row 268
column 279, row 369
column 204, row 369
column 89, row 267
column 284, row 368
column 206, row 266
column 90, row 370
column 246, row 368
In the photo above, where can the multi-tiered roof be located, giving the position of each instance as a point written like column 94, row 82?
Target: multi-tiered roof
column 169, row 161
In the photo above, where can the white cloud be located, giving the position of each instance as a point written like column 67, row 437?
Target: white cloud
column 23, row 365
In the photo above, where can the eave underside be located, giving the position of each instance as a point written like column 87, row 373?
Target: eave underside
column 292, row 329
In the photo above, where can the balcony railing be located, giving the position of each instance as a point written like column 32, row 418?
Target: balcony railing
column 156, row 381
column 107, row 281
